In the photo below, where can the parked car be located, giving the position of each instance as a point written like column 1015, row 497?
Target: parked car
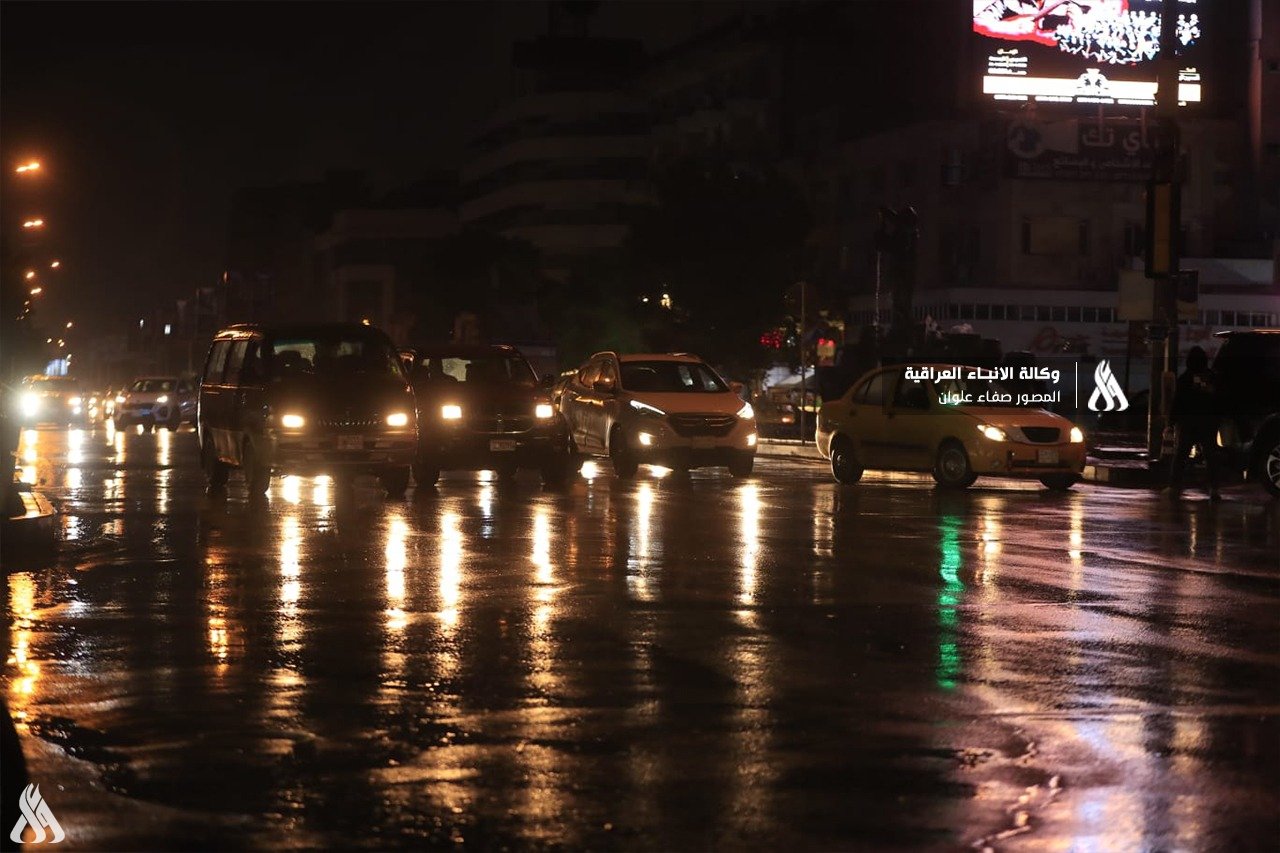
column 483, row 408
column 324, row 398
column 152, row 401
column 51, row 399
column 890, row 421
column 1248, row 370
column 663, row 409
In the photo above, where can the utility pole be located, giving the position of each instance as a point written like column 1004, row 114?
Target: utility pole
column 1164, row 228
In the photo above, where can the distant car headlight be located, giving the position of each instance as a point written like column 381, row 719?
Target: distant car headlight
column 1077, row 437
column 645, row 408
column 93, row 401
column 994, row 433
column 30, row 404
column 292, row 421
column 75, row 401
column 542, row 411
column 746, row 411
column 451, row 412
column 163, row 398
column 397, row 419
column 119, row 398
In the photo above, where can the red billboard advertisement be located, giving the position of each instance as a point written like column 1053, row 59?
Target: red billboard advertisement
column 1082, row 51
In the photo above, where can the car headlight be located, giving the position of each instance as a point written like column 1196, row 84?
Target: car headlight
column 542, row 411
column 119, row 398
column 994, row 433
column 30, row 404
column 74, row 401
column 451, row 412
column 1077, row 437
column 645, row 408
column 163, row 398
column 93, row 401
column 292, row 421
column 397, row 419
column 746, row 411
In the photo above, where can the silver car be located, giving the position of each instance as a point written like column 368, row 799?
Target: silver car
column 152, row 401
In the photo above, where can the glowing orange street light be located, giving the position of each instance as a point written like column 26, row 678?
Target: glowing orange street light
column 33, row 166
column 36, row 291
column 33, row 223
column 55, row 265
column 29, row 274
column 70, row 324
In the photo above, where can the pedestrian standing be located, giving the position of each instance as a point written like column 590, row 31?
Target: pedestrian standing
column 1195, row 413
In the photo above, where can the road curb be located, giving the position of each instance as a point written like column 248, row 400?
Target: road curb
column 31, row 531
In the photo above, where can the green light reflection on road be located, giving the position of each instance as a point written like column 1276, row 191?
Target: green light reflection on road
column 948, row 668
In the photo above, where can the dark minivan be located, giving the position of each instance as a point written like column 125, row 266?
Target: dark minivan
column 323, row 398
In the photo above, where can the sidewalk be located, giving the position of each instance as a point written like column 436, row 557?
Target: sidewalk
column 1108, row 466
column 29, row 529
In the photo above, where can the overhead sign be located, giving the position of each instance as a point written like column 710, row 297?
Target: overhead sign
column 1082, row 51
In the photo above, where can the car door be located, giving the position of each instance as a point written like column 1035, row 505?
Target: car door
column 910, row 424
column 576, row 402
column 215, row 400
column 604, row 411
column 866, row 424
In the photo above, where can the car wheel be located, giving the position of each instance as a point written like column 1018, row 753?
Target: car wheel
column 1269, row 465
column 424, row 475
column 742, row 465
column 952, row 469
column 1059, row 482
column 395, row 481
column 215, row 470
column 173, row 423
column 257, row 476
column 624, row 464
column 844, row 464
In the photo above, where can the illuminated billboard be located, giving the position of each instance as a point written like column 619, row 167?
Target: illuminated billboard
column 1082, row 51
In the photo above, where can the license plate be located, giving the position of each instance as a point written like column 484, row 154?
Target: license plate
column 351, row 442
column 1047, row 456
column 704, row 443
column 502, row 445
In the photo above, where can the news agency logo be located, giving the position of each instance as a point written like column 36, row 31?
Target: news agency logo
column 37, row 815
column 1107, row 396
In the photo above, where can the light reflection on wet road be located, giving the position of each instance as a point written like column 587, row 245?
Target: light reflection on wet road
column 668, row 663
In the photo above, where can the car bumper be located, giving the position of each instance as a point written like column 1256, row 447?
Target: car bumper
column 1018, row 459
column 467, row 450
column 656, row 442
column 323, row 455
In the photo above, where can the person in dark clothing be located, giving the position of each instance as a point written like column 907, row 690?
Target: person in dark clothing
column 1196, row 413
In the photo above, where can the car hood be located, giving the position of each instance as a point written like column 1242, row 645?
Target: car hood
column 479, row 393
column 1002, row 416
column 362, row 396
column 711, row 403
column 148, row 396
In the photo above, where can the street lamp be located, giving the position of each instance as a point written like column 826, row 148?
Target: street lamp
column 33, row 223
column 29, row 274
column 70, row 324
column 36, row 291
column 33, row 166
column 55, row 264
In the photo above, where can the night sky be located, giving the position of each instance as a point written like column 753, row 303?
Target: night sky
column 148, row 116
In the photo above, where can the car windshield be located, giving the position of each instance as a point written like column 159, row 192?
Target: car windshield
column 981, row 393
column 152, row 386
column 54, row 384
column 670, row 376
column 486, row 369
column 303, row 356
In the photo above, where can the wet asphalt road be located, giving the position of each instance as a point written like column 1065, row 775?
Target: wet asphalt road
column 774, row 663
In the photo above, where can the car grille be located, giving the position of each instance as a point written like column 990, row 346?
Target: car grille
column 500, row 423
column 690, row 426
column 1041, row 435
column 348, row 423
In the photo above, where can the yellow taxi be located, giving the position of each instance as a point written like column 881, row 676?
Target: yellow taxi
column 951, row 422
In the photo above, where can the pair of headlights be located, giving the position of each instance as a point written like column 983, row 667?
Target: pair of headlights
column 453, row 412
column 994, row 433
column 292, row 420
